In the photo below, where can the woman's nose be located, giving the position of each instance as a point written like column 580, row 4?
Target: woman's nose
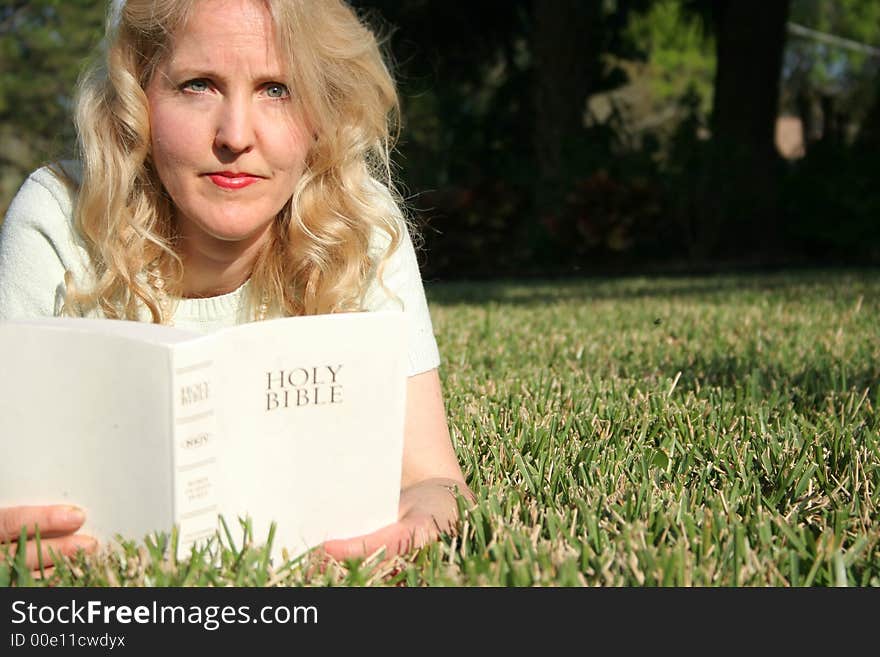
column 235, row 127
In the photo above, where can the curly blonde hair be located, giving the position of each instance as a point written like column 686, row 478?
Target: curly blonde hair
column 318, row 259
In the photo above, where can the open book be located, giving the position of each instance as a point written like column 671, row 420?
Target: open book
column 296, row 420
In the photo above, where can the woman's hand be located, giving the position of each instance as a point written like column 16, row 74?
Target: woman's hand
column 57, row 526
column 427, row 509
column 430, row 475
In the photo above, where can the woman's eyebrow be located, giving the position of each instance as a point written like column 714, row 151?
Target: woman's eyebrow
column 189, row 72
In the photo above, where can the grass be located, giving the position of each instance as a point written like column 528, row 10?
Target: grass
column 713, row 431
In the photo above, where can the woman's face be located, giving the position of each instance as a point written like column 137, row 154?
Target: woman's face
column 228, row 141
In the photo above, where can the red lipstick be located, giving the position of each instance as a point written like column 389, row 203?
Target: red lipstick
column 232, row 179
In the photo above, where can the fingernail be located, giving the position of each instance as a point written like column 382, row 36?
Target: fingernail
column 71, row 516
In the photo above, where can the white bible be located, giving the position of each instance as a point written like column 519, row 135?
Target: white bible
column 297, row 421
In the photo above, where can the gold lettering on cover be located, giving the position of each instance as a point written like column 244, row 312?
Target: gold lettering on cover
column 197, row 440
column 333, row 372
column 315, row 385
column 193, row 394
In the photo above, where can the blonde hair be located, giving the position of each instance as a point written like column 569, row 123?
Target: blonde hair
column 318, row 259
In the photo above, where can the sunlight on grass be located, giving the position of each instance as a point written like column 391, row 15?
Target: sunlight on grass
column 712, row 431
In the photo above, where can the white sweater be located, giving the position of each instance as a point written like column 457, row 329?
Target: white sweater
column 38, row 244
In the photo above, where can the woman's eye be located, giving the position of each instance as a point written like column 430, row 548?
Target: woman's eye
column 276, row 90
column 199, row 86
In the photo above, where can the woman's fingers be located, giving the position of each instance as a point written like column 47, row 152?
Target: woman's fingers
column 66, row 546
column 399, row 538
column 56, row 525
column 53, row 521
column 427, row 509
column 46, row 574
column 363, row 546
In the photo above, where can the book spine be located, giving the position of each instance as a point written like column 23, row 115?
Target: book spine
column 196, row 447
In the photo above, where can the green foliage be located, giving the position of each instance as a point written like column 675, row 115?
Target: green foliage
column 679, row 49
column 857, row 20
column 711, row 431
column 42, row 47
column 816, row 68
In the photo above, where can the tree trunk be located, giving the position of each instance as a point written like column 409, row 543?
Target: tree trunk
column 869, row 132
column 565, row 49
column 740, row 190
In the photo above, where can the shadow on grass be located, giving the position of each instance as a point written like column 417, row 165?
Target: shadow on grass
column 805, row 385
column 541, row 292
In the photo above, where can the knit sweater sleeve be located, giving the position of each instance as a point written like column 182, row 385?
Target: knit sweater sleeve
column 401, row 288
column 37, row 247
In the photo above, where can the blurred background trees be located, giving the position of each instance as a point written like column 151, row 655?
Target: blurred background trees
column 546, row 137
column 43, row 44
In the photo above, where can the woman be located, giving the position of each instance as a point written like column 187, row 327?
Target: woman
column 230, row 157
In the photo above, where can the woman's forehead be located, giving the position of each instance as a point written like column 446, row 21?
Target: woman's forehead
column 224, row 19
column 226, row 32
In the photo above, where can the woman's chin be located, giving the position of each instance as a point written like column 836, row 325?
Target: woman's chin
column 227, row 233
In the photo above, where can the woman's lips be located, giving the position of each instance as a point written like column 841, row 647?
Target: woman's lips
column 230, row 180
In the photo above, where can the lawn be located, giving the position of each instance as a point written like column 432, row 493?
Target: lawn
column 702, row 431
